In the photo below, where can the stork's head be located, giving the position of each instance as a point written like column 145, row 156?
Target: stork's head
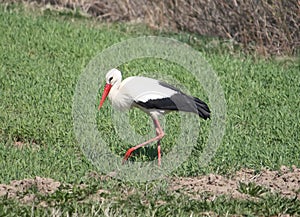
column 112, row 77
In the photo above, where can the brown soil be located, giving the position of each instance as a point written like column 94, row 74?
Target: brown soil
column 17, row 188
column 285, row 182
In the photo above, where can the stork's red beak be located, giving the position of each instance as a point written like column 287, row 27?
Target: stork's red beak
column 104, row 95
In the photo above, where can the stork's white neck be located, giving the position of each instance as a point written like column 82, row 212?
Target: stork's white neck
column 114, row 89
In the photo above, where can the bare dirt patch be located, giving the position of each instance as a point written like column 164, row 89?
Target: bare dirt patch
column 21, row 145
column 25, row 189
column 285, row 182
column 244, row 184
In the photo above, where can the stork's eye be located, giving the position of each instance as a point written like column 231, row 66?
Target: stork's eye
column 109, row 80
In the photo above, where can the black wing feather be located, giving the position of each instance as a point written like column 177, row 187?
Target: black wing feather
column 178, row 102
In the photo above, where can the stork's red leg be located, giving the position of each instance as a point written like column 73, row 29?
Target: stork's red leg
column 158, row 145
column 159, row 135
column 158, row 153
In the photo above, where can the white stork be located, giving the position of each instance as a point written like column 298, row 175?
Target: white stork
column 153, row 97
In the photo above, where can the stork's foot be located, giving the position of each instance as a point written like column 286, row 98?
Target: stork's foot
column 128, row 155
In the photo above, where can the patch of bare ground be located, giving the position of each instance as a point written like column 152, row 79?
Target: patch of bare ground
column 25, row 189
column 22, row 145
column 28, row 190
column 285, row 182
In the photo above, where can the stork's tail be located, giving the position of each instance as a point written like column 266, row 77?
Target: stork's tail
column 202, row 108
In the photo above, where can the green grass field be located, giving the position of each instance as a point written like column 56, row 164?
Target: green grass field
column 41, row 59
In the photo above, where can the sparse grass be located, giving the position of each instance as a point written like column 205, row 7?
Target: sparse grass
column 252, row 189
column 41, row 58
column 145, row 202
